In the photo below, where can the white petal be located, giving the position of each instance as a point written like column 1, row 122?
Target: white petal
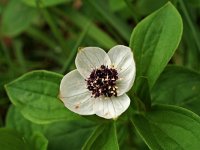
column 122, row 59
column 75, row 95
column 72, row 84
column 111, row 107
column 81, row 104
column 126, row 79
column 90, row 58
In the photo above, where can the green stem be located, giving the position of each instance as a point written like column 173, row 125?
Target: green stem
column 74, row 50
column 8, row 58
column 19, row 55
column 122, row 28
column 79, row 20
column 95, row 134
column 190, row 23
column 131, row 8
column 55, row 30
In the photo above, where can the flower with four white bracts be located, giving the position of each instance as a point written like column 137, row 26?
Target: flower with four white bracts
column 100, row 82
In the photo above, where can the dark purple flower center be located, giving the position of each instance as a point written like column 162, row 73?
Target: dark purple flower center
column 102, row 82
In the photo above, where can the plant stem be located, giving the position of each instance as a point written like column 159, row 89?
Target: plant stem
column 19, row 55
column 8, row 59
column 79, row 19
column 95, row 134
column 123, row 29
column 131, row 8
column 190, row 23
column 74, row 50
column 55, row 30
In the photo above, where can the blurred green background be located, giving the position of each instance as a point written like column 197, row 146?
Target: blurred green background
column 46, row 34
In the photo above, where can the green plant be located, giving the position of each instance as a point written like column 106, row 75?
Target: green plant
column 164, row 98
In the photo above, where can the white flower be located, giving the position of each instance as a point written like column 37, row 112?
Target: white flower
column 100, row 82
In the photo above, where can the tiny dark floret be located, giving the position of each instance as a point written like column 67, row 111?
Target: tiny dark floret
column 102, row 82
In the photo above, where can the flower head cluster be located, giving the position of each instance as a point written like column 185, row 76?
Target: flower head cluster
column 100, row 82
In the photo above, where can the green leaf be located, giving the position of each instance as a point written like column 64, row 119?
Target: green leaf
column 154, row 41
column 69, row 134
column 38, row 141
column 12, row 140
column 143, row 92
column 36, row 94
column 44, row 3
column 103, row 138
column 16, row 18
column 32, row 132
column 97, row 132
column 178, row 86
column 169, row 128
column 61, row 134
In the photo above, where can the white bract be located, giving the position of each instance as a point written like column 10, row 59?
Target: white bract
column 100, row 82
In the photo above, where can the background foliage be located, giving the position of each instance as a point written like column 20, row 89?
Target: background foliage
column 45, row 34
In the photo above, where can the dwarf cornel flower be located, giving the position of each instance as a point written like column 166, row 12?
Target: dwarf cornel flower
column 100, row 82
